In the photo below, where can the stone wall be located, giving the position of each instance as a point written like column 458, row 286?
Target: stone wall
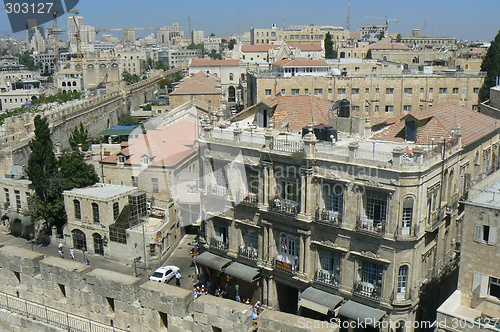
column 120, row 301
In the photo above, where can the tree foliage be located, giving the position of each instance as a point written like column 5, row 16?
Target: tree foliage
column 125, row 119
column 491, row 65
column 130, row 78
column 27, row 60
column 214, row 55
column 80, row 135
column 329, row 51
column 231, row 44
column 369, row 54
column 50, row 176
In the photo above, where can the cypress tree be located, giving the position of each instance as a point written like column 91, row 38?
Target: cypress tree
column 491, row 65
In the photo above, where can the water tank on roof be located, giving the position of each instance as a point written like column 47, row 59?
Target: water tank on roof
column 331, row 133
column 344, row 108
column 320, row 132
column 306, row 130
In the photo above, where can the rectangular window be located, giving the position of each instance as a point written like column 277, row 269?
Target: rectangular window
column 389, row 108
column 374, row 69
column 408, row 91
column 318, row 92
column 371, row 278
column 282, row 92
column 376, row 206
column 485, row 234
column 376, row 108
column 421, row 90
column 135, row 181
column 389, row 91
column 464, row 90
column 377, row 90
column 443, row 91
column 78, row 211
column 455, row 91
column 154, row 182
column 221, row 232
column 367, row 90
column 18, row 199
column 475, row 91
column 341, row 91
column 494, row 287
column 268, row 92
column 330, row 90
column 367, row 109
column 356, row 69
column 306, row 91
column 431, row 90
column 355, row 91
column 7, row 197
column 295, row 92
column 407, row 108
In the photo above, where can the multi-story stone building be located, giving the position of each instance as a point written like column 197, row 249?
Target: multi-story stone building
column 201, row 86
column 353, row 227
column 374, row 94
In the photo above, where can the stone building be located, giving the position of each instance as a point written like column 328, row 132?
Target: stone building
column 204, row 87
column 373, row 94
column 114, row 221
column 475, row 305
column 353, row 227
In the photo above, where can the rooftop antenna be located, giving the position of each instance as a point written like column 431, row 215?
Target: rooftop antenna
column 348, row 20
column 189, row 28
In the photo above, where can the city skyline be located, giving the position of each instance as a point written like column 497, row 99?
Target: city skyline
column 225, row 18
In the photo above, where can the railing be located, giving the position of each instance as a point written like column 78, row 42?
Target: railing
column 286, row 146
column 370, row 226
column 328, row 278
column 285, row 206
column 219, row 244
column 329, row 217
column 367, row 290
column 252, row 138
column 54, row 317
column 248, row 198
column 218, row 191
column 409, row 232
column 248, row 253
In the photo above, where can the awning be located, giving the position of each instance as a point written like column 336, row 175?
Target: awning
column 318, row 300
column 242, row 271
column 212, row 261
column 358, row 311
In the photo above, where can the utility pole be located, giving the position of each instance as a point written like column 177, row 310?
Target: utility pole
column 189, row 28
column 348, row 20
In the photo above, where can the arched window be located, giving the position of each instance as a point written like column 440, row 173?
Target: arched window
column 98, row 244
column 230, row 76
column 78, row 211
column 402, row 282
column 116, row 210
column 407, row 216
column 74, row 83
column 63, row 83
column 95, row 213
column 231, row 94
column 79, row 239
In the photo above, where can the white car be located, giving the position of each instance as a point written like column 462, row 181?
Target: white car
column 164, row 273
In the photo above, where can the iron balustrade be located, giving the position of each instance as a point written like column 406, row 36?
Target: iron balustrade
column 371, row 226
column 248, row 253
column 333, row 218
column 328, row 278
column 285, row 206
column 367, row 290
column 219, row 244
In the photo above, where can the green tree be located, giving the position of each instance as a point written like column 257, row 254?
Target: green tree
column 398, row 38
column 160, row 65
column 491, row 65
column 80, row 135
column 231, row 44
column 74, row 172
column 130, row 78
column 214, row 55
column 27, row 60
column 125, row 119
column 369, row 54
column 329, row 51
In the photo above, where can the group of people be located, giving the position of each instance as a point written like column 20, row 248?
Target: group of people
column 71, row 253
column 199, row 291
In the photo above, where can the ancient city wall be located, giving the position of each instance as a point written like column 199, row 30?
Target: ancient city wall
column 57, row 294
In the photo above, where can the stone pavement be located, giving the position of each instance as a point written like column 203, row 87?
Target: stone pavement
column 180, row 257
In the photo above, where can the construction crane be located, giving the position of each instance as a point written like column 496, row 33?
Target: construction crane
column 55, row 30
column 387, row 20
column 78, row 45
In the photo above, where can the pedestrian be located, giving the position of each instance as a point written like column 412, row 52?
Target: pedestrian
column 60, row 246
column 86, row 262
column 60, row 253
column 178, row 278
column 71, row 253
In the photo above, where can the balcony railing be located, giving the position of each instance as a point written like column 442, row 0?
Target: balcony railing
column 368, row 290
column 248, row 198
column 285, row 206
column 218, row 191
column 333, row 218
column 371, row 226
column 407, row 232
column 248, row 253
column 219, row 244
column 328, row 278
column 281, row 265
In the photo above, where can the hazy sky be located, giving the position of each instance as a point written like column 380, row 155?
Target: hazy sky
column 463, row 19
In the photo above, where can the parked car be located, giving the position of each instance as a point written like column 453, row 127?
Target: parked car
column 164, row 273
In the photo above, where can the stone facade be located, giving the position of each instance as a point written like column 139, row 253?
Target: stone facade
column 113, row 301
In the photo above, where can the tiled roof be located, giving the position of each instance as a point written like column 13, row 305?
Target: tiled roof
column 258, row 48
column 199, row 84
column 167, row 145
column 439, row 122
column 301, row 63
column 214, row 63
column 307, row 47
column 384, row 45
column 301, row 110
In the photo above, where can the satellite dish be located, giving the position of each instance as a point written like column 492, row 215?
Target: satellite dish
column 286, row 123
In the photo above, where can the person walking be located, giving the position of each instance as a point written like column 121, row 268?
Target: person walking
column 60, row 253
column 71, row 253
column 178, row 278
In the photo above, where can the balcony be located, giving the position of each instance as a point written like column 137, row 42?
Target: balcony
column 329, row 217
column 368, row 290
column 280, row 264
column 218, row 191
column 435, row 219
column 328, row 278
column 247, row 198
column 218, row 244
column 285, row 206
column 249, row 253
column 407, row 233
column 370, row 226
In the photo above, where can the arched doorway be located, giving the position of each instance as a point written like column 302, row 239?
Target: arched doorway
column 231, row 91
column 79, row 239
column 98, row 244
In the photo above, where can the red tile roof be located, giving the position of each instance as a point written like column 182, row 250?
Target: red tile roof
column 437, row 122
column 167, row 145
column 214, row 63
column 300, row 63
column 198, row 84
